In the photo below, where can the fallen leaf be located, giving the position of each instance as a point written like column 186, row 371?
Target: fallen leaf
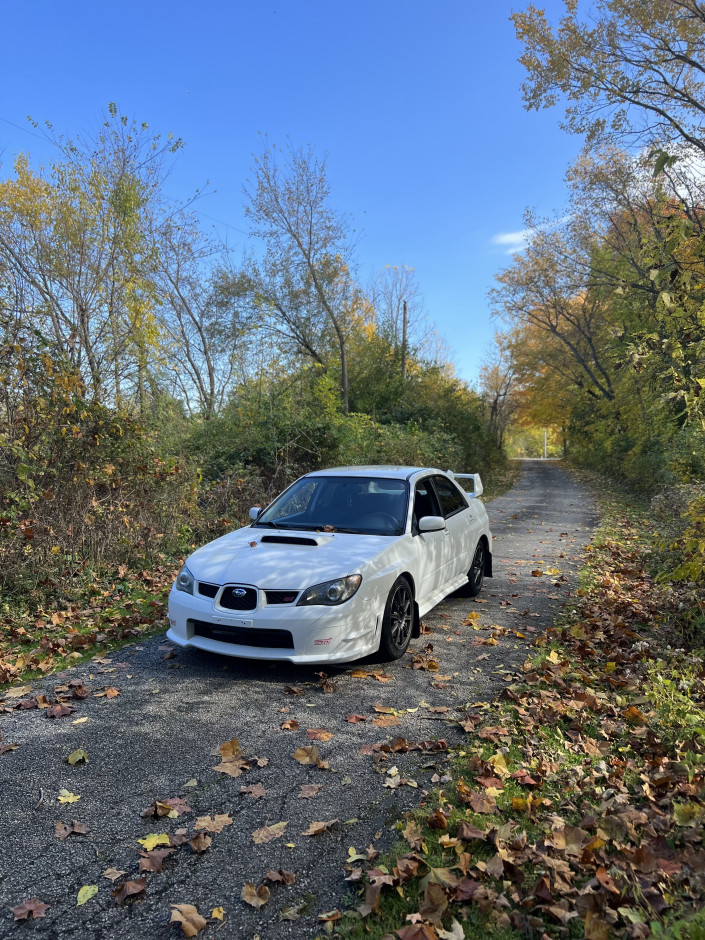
column 85, row 894
column 153, row 861
column 269, row 833
column 65, row 796
column 214, row 823
column 330, row 917
column 355, row 719
column 63, row 830
column 291, row 724
column 78, row 756
column 256, row 791
column 310, row 755
column 218, row 913
column 128, row 889
column 319, row 734
column 256, row 897
column 113, row 873
column 33, row 908
column 189, row 918
column 200, row 842
column 286, row 877
column 58, row 711
column 308, row 790
column 153, row 840
column 317, row 828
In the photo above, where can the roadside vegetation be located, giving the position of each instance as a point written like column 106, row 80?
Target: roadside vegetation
column 154, row 386
column 573, row 807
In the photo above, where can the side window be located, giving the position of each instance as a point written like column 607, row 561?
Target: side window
column 425, row 502
column 452, row 500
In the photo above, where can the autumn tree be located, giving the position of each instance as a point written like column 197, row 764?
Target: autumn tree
column 628, row 70
column 304, row 282
column 76, row 235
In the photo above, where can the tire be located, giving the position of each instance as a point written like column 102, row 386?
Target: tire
column 476, row 574
column 398, row 621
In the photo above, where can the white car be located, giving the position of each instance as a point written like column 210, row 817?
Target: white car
column 342, row 564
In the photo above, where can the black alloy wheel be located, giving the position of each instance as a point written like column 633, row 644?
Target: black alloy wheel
column 398, row 621
column 476, row 574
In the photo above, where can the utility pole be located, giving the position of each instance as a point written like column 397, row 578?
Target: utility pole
column 404, row 323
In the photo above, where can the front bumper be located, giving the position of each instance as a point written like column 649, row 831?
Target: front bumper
column 311, row 634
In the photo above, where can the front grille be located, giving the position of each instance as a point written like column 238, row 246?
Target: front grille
column 247, row 601
column 281, row 597
column 208, row 590
column 288, row 540
column 244, row 636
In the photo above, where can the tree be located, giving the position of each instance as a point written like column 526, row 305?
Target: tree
column 77, row 237
column 204, row 313
column 635, row 70
column 498, row 387
column 304, row 280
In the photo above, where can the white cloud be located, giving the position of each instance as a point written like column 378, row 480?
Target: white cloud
column 513, row 242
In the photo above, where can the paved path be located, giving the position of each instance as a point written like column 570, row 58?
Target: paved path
column 156, row 740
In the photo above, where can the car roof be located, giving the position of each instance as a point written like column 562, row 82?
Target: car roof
column 389, row 471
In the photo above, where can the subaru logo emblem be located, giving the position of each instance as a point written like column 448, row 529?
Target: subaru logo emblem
column 239, row 592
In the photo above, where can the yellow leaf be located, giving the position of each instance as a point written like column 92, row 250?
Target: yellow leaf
column 554, row 657
column 65, row 796
column 218, row 913
column 86, row 893
column 151, row 841
column 499, row 764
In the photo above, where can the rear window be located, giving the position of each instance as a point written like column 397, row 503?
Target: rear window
column 451, row 498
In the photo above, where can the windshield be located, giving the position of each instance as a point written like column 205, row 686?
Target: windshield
column 364, row 505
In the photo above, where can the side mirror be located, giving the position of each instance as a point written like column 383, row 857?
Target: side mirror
column 431, row 523
column 254, row 512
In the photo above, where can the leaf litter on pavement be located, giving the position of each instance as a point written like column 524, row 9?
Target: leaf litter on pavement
column 575, row 805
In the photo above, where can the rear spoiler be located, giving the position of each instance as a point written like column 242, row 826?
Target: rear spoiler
column 477, row 487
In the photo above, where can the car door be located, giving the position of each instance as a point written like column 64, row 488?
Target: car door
column 431, row 550
column 459, row 525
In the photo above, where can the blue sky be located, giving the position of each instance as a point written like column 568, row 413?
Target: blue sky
column 418, row 106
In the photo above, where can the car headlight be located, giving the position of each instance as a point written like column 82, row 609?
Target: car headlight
column 330, row 593
column 184, row 581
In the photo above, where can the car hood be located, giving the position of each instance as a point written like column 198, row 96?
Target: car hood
column 285, row 560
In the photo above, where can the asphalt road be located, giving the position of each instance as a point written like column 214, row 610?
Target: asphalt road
column 157, row 738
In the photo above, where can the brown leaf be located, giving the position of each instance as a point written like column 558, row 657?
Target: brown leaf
column 308, row 790
column 481, row 803
column 214, row 823
column 330, row 917
column 63, row 830
column 230, row 750
column 467, row 832
column 58, row 711
column 319, row 734
column 256, row 897
column 128, row 889
column 293, row 690
column 437, row 820
column 286, row 877
column 200, row 842
column 269, row 833
column 153, row 861
column 291, row 724
column 256, row 791
column 317, row 828
column 310, row 755
column 113, row 873
column 189, row 918
column 385, row 721
column 355, row 719
column 33, row 908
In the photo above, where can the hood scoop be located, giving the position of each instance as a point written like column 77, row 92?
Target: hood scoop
column 288, row 540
